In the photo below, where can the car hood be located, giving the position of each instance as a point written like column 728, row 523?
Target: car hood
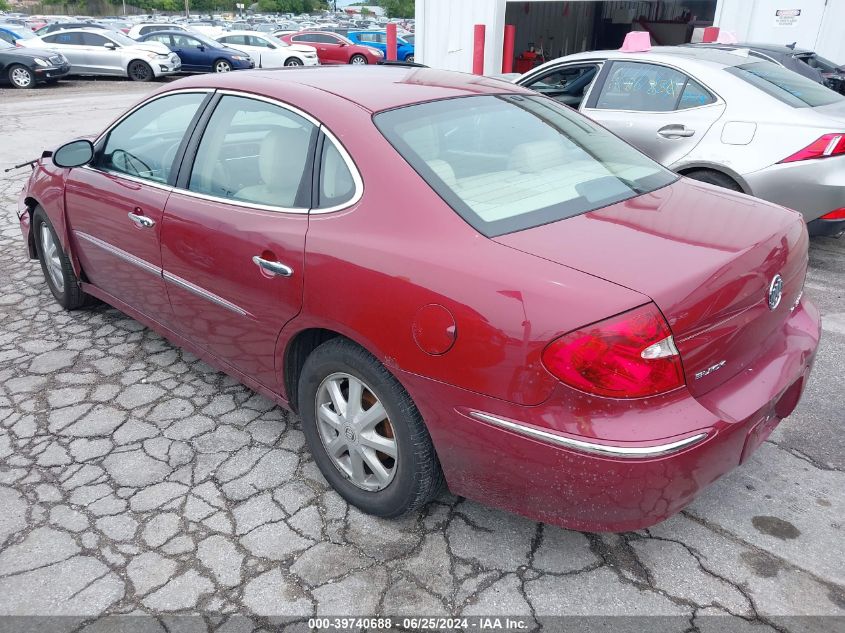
column 153, row 47
column 705, row 255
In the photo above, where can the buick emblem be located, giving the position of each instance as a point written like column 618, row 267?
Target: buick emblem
column 775, row 292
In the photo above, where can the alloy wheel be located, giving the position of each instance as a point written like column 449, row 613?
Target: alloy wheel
column 293, row 61
column 359, row 60
column 21, row 77
column 222, row 67
column 51, row 258
column 139, row 71
column 356, row 432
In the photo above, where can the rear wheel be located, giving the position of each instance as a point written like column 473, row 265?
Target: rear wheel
column 714, row 178
column 222, row 66
column 21, row 77
column 140, row 71
column 55, row 265
column 364, row 431
column 358, row 60
column 293, row 61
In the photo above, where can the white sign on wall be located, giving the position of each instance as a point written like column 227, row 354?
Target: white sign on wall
column 787, row 17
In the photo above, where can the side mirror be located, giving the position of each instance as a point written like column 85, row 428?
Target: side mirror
column 110, row 45
column 342, row 44
column 74, row 154
column 201, row 47
column 272, row 47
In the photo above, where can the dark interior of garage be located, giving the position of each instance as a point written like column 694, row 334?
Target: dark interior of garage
column 547, row 30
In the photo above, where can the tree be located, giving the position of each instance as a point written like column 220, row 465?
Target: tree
column 3, row 5
column 398, row 8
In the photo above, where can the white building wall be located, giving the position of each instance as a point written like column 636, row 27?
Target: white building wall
column 445, row 33
column 815, row 29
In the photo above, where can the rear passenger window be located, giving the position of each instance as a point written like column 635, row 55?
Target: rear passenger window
column 337, row 185
column 257, row 152
column 641, row 87
column 72, row 39
column 694, row 96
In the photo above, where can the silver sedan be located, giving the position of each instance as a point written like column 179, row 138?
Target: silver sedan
column 100, row 52
column 720, row 117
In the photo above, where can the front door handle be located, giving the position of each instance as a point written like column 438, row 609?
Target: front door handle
column 676, row 131
column 142, row 221
column 274, row 268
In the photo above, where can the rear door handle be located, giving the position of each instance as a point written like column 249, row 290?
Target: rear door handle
column 142, row 221
column 676, row 131
column 274, row 268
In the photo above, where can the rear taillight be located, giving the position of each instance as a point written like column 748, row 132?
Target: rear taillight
column 838, row 214
column 628, row 356
column 825, row 147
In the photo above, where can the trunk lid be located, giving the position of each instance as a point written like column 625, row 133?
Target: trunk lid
column 706, row 256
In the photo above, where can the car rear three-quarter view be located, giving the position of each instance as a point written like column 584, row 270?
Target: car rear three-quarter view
column 448, row 278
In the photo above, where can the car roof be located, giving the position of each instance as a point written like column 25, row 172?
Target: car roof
column 245, row 32
column 373, row 87
column 767, row 48
column 689, row 54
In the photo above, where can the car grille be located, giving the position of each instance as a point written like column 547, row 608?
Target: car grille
column 57, row 60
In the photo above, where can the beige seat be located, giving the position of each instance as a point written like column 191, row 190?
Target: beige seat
column 281, row 164
column 537, row 156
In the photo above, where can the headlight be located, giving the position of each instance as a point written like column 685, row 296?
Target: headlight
column 163, row 55
column 240, row 58
column 151, row 55
column 41, row 62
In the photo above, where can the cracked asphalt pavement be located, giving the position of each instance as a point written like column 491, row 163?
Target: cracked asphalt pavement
column 135, row 479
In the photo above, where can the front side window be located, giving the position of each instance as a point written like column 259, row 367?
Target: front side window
column 92, row 39
column 183, row 41
column 642, row 87
column 145, row 143
column 568, row 84
column 254, row 151
column 507, row 163
column 785, row 85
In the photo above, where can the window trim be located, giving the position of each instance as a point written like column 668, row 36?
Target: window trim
column 193, row 136
column 601, row 80
column 170, row 186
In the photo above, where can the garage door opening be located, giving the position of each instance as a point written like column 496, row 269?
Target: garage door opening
column 547, row 30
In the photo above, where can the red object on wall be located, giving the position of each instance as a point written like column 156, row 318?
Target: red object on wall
column 525, row 62
column 507, row 51
column 711, row 34
column 478, row 50
column 391, row 42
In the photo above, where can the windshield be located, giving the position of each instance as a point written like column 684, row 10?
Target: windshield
column 508, row 163
column 820, row 63
column 785, row 86
column 275, row 40
column 120, row 38
column 4, row 44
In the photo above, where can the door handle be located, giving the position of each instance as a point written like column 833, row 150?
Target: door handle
column 676, row 131
column 274, row 268
column 142, row 221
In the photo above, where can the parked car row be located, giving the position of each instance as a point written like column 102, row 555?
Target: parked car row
column 722, row 117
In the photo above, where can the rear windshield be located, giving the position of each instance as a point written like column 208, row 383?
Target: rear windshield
column 786, row 86
column 511, row 162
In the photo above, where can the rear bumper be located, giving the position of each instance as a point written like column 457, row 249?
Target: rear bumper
column 826, row 228
column 812, row 187
column 605, row 465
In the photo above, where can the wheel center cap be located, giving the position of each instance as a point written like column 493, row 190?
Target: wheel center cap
column 350, row 434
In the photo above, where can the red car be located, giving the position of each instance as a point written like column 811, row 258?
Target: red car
column 446, row 276
column 335, row 49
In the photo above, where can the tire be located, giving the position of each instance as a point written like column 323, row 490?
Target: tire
column 714, row 178
column 221, row 66
column 358, row 60
column 139, row 71
column 293, row 61
column 21, row 77
column 409, row 58
column 414, row 475
column 57, row 269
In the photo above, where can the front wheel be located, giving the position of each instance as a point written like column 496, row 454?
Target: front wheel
column 222, row 66
column 293, row 61
column 364, row 431
column 409, row 58
column 358, row 60
column 21, row 77
column 57, row 269
column 140, row 71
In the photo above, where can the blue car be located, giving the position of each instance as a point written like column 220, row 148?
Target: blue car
column 200, row 54
column 378, row 39
column 11, row 33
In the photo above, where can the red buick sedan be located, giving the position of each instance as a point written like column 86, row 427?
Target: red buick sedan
column 447, row 277
column 333, row 48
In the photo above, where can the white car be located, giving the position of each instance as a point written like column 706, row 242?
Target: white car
column 269, row 51
column 148, row 27
column 102, row 52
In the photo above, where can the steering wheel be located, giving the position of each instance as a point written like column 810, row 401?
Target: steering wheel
column 131, row 163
